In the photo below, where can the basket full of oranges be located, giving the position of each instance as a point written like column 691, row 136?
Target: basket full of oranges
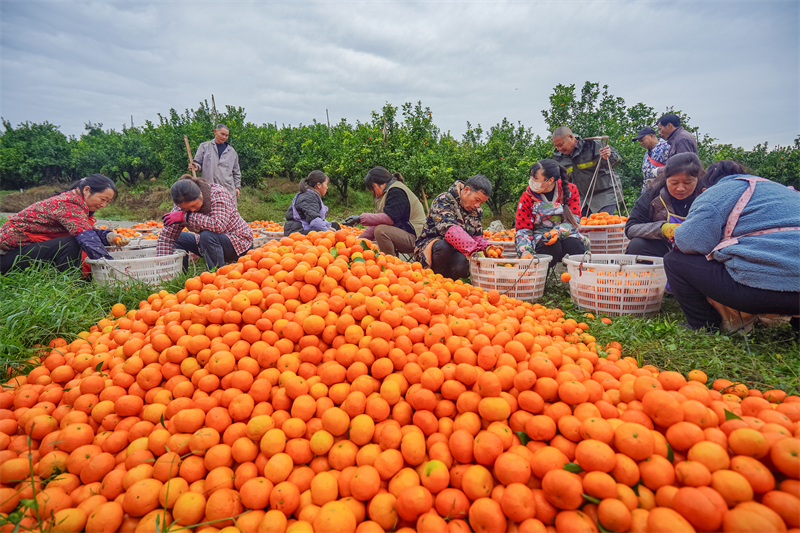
column 504, row 239
column 606, row 233
column 616, row 284
column 522, row 279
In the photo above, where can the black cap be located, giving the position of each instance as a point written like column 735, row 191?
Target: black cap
column 644, row 131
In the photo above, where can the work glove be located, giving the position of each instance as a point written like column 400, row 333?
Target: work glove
column 668, row 229
column 114, row 239
column 352, row 220
column 336, row 226
column 478, row 253
column 552, row 237
column 174, row 217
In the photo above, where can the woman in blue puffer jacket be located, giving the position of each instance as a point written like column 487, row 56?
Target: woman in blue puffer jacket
column 739, row 246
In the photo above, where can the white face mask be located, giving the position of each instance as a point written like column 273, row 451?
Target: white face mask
column 536, row 186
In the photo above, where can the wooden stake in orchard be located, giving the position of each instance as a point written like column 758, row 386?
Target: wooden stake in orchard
column 189, row 153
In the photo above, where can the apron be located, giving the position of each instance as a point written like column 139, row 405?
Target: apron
column 728, row 238
column 323, row 212
column 672, row 218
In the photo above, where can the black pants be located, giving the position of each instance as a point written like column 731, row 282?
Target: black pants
column 693, row 279
column 560, row 248
column 448, row 261
column 215, row 248
column 649, row 247
column 63, row 252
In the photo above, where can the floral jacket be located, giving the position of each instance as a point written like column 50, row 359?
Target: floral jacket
column 448, row 220
column 58, row 216
column 536, row 215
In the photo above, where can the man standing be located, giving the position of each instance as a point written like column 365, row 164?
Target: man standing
column 656, row 155
column 581, row 157
column 680, row 140
column 219, row 162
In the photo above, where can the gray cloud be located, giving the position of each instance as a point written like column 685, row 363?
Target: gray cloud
column 731, row 66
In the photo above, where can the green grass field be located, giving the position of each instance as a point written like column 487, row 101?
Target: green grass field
column 40, row 304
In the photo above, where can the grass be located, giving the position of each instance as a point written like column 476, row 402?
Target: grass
column 150, row 200
column 767, row 358
column 40, row 304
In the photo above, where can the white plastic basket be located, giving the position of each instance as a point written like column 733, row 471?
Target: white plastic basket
column 147, row 231
column 608, row 239
column 617, row 284
column 523, row 280
column 138, row 243
column 140, row 265
column 131, row 253
column 509, row 247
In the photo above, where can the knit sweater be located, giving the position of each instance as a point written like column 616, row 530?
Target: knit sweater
column 771, row 261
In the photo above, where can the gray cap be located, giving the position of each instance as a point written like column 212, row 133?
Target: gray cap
column 643, row 132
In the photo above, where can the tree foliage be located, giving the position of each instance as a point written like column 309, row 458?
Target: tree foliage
column 403, row 139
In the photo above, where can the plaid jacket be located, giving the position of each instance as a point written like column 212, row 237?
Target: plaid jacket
column 224, row 218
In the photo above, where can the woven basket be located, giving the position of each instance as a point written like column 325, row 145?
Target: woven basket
column 140, row 265
column 617, row 284
column 523, row 280
column 608, row 239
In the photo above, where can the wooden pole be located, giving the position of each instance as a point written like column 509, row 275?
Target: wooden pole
column 329, row 122
column 427, row 209
column 189, row 153
column 214, row 111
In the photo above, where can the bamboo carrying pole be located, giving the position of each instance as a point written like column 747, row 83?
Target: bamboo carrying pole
column 189, row 153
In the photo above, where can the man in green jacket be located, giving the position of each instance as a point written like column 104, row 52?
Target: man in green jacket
column 581, row 157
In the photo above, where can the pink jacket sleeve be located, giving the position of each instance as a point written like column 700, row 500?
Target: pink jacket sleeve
column 481, row 242
column 375, row 219
column 461, row 240
column 369, row 233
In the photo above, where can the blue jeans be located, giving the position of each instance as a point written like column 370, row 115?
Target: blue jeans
column 215, row 248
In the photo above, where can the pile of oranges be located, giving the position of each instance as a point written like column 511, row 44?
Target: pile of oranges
column 494, row 252
column 319, row 386
column 500, row 236
column 149, row 225
column 266, row 225
column 602, row 219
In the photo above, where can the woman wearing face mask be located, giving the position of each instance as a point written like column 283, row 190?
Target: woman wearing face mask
column 307, row 212
column 60, row 230
column 663, row 206
column 216, row 230
column 398, row 218
column 550, row 205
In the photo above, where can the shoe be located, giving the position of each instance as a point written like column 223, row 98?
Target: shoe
column 702, row 331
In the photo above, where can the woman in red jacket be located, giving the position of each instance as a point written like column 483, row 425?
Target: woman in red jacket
column 548, row 214
column 59, row 229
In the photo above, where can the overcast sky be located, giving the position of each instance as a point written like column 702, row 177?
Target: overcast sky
column 731, row 66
